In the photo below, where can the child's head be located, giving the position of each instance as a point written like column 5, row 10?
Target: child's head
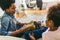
column 53, row 17
column 8, row 5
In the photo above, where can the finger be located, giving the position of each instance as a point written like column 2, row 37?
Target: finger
column 32, row 34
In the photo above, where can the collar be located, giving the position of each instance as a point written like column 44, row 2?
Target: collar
column 11, row 15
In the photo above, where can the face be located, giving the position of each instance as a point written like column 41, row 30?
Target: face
column 11, row 9
column 49, row 23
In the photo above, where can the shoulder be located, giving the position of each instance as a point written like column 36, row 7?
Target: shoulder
column 5, row 17
column 5, row 20
column 46, row 33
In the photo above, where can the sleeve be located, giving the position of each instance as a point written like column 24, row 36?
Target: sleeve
column 4, row 26
column 19, row 25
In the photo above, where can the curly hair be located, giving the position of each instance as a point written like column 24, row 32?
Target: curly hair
column 54, row 14
column 4, row 4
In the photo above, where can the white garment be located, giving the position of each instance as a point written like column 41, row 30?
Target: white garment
column 51, row 35
column 10, row 38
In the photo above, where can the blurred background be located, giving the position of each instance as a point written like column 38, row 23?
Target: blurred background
column 31, row 10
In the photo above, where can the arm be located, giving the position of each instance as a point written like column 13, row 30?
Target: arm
column 19, row 31
column 32, row 36
column 5, row 25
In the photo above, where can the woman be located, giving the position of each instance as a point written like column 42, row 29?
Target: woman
column 8, row 22
column 53, row 23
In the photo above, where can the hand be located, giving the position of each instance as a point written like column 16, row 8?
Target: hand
column 29, row 27
column 42, row 26
column 32, row 36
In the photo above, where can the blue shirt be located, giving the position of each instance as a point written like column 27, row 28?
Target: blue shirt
column 7, row 24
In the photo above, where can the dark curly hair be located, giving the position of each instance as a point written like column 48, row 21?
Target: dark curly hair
column 4, row 4
column 54, row 14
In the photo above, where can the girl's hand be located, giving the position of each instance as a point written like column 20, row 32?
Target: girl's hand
column 32, row 36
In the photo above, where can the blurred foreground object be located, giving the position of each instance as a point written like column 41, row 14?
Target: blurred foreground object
column 10, row 38
column 30, row 25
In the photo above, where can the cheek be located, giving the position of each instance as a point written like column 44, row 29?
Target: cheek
column 47, row 23
column 12, row 10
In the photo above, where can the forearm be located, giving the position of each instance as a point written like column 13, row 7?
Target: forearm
column 33, row 39
column 18, row 31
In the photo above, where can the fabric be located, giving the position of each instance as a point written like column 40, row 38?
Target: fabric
column 37, row 33
column 51, row 35
column 10, row 38
column 8, row 24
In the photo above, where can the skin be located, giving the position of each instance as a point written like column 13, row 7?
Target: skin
column 11, row 10
column 32, row 36
column 50, row 25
